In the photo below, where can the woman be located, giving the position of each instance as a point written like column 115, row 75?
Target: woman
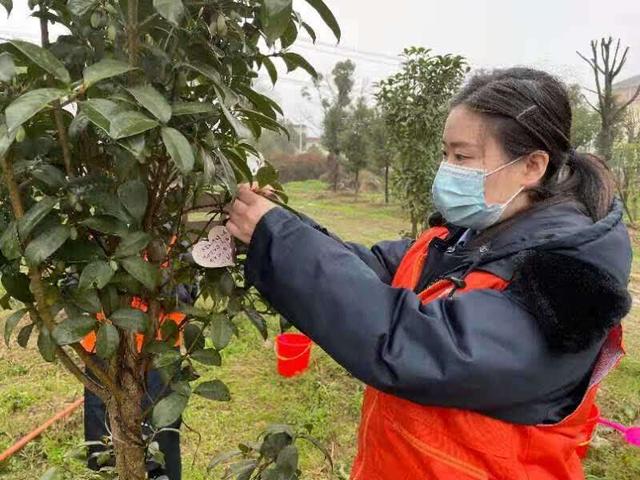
column 483, row 342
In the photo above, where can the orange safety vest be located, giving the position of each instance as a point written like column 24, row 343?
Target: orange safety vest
column 89, row 341
column 402, row 440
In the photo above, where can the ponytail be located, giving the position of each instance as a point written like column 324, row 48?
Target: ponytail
column 585, row 178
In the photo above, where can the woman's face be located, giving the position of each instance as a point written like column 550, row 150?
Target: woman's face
column 469, row 142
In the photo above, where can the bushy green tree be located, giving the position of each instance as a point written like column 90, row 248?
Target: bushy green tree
column 355, row 140
column 109, row 136
column 414, row 105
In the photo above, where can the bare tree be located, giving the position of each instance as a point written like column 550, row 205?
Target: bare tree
column 605, row 70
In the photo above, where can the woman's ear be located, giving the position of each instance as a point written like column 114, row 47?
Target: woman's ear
column 536, row 164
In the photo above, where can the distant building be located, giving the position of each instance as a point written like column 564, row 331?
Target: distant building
column 314, row 142
column 625, row 90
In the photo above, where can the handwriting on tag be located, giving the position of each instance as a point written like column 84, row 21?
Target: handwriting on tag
column 215, row 252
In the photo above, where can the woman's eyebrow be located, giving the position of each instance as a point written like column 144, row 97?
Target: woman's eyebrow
column 456, row 144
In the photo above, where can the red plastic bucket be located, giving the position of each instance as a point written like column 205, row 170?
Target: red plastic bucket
column 293, row 351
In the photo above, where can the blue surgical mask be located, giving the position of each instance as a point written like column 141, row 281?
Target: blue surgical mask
column 458, row 194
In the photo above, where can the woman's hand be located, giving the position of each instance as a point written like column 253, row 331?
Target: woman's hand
column 245, row 213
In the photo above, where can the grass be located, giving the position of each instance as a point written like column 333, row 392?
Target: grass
column 326, row 397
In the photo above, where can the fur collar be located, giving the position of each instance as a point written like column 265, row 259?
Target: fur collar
column 574, row 302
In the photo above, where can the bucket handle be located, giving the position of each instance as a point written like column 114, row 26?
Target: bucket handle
column 280, row 357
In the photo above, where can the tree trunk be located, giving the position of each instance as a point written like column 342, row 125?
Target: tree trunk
column 414, row 226
column 386, row 184
column 357, row 186
column 126, row 417
column 604, row 142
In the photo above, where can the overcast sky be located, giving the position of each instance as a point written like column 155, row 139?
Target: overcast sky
column 490, row 33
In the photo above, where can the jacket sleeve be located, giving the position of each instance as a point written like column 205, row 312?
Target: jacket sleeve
column 459, row 352
column 383, row 258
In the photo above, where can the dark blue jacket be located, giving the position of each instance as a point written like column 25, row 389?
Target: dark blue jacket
column 523, row 355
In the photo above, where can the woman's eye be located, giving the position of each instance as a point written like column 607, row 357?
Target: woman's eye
column 460, row 158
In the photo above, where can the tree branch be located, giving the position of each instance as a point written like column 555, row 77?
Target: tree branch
column 624, row 106
column 36, row 280
column 70, row 365
column 63, row 138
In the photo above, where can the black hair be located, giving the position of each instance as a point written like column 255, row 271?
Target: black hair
column 529, row 110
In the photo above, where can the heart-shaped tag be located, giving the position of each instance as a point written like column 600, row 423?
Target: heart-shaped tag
column 217, row 251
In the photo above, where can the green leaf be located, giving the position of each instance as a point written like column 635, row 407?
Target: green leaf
column 106, row 224
column 171, row 10
column 7, row 67
column 80, row 7
column 73, row 330
column 142, row 271
column 169, row 409
column 6, row 138
column 27, row 105
column 128, row 123
column 191, row 108
column 258, row 321
column 213, row 390
column 43, row 246
column 100, row 112
column 239, row 129
column 179, row 149
column 271, row 69
column 8, row 5
column 11, row 322
column 293, row 61
column 131, row 244
column 10, row 242
column 134, row 197
column 208, row 356
column 221, row 331
column 35, row 215
column 25, row 334
column 310, row 31
column 327, row 16
column 290, row 34
column 130, row 319
column 16, row 285
column 104, row 69
column 207, row 70
column 79, row 251
column 49, row 175
column 167, row 358
column 43, row 58
column 287, row 461
column 228, row 177
column 275, row 16
column 107, row 341
column 267, row 175
column 46, row 345
column 193, row 338
column 152, row 100
column 86, row 300
column 96, row 274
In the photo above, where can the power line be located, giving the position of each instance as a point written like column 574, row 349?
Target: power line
column 356, row 51
column 345, row 54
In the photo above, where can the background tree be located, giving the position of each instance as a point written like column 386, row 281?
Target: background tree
column 355, row 140
column 380, row 152
column 414, row 105
column 626, row 164
column 109, row 136
column 585, row 122
column 607, row 65
column 334, row 104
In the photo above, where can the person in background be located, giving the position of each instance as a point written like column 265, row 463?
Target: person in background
column 96, row 426
column 484, row 341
